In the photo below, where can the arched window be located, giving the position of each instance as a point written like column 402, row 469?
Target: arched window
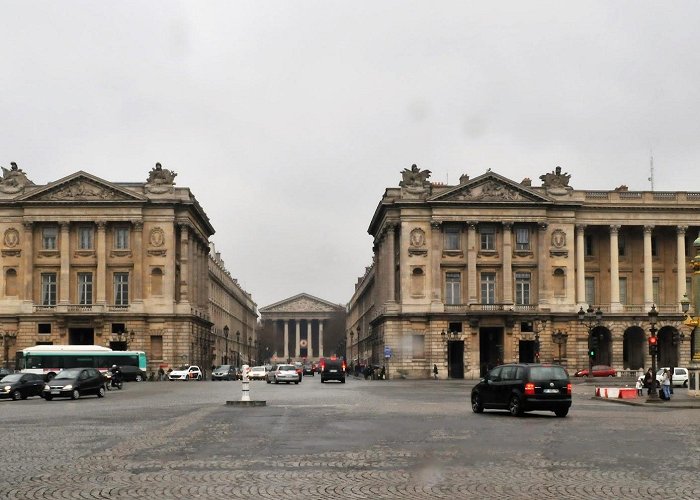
column 157, row 281
column 11, row 283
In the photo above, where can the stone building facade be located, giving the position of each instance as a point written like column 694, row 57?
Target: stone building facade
column 124, row 265
column 491, row 270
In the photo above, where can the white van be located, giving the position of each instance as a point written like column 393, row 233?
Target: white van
column 680, row 376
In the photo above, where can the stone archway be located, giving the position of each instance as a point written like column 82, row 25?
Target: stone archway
column 668, row 353
column 633, row 344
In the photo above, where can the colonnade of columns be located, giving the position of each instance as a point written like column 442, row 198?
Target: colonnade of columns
column 308, row 338
column 194, row 268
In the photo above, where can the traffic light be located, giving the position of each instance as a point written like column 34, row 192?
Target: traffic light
column 593, row 345
column 653, row 345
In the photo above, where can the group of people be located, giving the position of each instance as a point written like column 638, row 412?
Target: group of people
column 645, row 382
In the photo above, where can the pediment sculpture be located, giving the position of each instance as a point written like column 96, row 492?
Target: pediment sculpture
column 491, row 191
column 82, row 190
column 160, row 180
column 13, row 180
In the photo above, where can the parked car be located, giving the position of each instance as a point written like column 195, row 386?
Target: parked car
column 187, row 372
column 598, row 371
column 4, row 371
column 21, row 386
column 299, row 367
column 75, row 382
column 132, row 374
column 257, row 373
column 333, row 369
column 680, row 376
column 224, row 372
column 308, row 369
column 524, row 387
column 283, row 373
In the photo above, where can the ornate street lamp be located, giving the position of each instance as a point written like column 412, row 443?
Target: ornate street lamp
column 351, row 344
column 250, row 342
column 559, row 338
column 591, row 318
column 7, row 339
column 226, row 330
column 653, row 351
column 238, row 349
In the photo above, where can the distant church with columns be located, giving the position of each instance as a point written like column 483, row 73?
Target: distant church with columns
column 303, row 327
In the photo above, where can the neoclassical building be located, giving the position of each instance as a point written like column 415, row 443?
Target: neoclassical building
column 491, row 270
column 303, row 327
column 89, row 261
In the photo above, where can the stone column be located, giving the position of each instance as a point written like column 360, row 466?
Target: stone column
column 138, row 261
column 64, row 286
column 297, row 338
column 648, row 268
column 508, row 263
column 28, row 261
column 472, row 297
column 542, row 287
column 184, row 261
column 615, row 305
column 309, row 347
column 320, row 338
column 391, row 264
column 435, row 254
column 101, row 274
column 192, row 268
column 682, row 265
column 580, row 265
column 286, row 340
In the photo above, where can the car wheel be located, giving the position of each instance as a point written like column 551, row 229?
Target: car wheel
column 562, row 412
column 477, row 405
column 296, row 383
column 288, row 382
column 323, row 381
column 199, row 377
column 342, row 381
column 268, row 381
column 48, row 397
column 75, row 394
column 277, row 381
column 514, row 406
column 138, row 378
column 101, row 392
column 685, row 383
column 50, row 376
column 16, row 395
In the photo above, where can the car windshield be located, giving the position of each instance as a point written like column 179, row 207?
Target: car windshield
column 258, row 369
column 224, row 367
column 183, row 367
column 12, row 378
column 285, row 367
column 69, row 373
column 548, row 373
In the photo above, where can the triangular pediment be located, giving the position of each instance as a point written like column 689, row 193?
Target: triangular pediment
column 82, row 187
column 491, row 188
column 300, row 304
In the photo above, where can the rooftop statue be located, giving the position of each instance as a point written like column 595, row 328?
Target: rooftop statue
column 415, row 180
column 556, row 182
column 13, row 180
column 160, row 180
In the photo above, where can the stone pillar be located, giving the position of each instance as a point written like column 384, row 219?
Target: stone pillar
column 648, row 269
column 64, row 286
column 472, row 297
column 286, row 340
column 137, row 293
column 682, row 265
column 28, row 261
column 297, row 338
column 580, row 265
column 435, row 254
column 542, row 287
column 615, row 305
column 391, row 264
column 309, row 347
column 192, row 268
column 101, row 251
column 184, row 261
column 320, row 338
column 508, row 262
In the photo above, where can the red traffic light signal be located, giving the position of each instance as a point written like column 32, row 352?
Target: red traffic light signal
column 653, row 341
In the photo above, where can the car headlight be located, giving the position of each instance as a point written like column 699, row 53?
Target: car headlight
column 67, row 387
column 47, row 387
column 7, row 387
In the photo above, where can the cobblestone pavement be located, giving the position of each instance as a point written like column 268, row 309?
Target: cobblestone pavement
column 363, row 439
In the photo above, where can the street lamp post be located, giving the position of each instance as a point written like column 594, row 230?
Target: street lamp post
column 591, row 318
column 226, row 330
column 447, row 337
column 653, row 351
column 238, row 349
column 352, row 334
column 7, row 339
column 559, row 338
column 250, row 342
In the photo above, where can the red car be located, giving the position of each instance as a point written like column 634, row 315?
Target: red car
column 598, row 371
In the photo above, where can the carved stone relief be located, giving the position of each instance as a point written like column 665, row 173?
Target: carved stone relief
column 160, row 180
column 417, row 242
column 84, row 191
column 11, row 238
column 558, row 244
column 157, row 237
column 13, row 180
column 302, row 305
column 490, row 191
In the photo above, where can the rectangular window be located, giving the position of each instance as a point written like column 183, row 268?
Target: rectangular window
column 655, row 286
column 590, row 290
column 418, row 346
column 488, row 288
column 121, row 289
column 522, row 238
column 488, row 237
column 84, row 288
column 654, row 247
column 452, row 238
column 621, row 245
column 48, row 289
column 623, row 290
column 121, row 238
column 44, row 328
column 453, row 288
column 522, row 288
column 85, row 238
column 156, row 347
column 49, row 236
column 588, row 245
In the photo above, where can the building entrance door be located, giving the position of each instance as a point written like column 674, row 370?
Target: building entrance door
column 526, row 351
column 490, row 348
column 455, row 359
column 81, row 336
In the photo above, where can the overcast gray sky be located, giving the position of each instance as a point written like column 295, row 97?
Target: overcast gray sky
column 288, row 119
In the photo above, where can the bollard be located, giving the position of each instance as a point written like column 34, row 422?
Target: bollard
column 245, row 389
column 245, row 392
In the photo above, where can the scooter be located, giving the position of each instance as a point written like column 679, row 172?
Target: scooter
column 112, row 383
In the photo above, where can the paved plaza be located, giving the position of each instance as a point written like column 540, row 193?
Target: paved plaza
column 362, row 439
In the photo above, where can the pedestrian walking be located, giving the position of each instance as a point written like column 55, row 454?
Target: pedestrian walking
column 435, row 371
column 666, row 385
column 161, row 374
column 640, row 385
column 648, row 379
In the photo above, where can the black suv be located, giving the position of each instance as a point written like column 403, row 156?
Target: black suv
column 333, row 369
column 75, row 382
column 524, row 387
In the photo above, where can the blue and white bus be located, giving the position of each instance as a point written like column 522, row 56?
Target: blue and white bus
column 48, row 360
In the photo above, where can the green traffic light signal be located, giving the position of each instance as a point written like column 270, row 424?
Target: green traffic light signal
column 591, row 354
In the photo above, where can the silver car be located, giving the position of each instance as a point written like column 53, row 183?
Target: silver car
column 283, row 373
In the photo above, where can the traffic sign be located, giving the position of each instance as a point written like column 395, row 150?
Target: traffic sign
column 387, row 351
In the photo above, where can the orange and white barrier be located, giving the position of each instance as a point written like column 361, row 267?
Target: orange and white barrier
column 616, row 392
